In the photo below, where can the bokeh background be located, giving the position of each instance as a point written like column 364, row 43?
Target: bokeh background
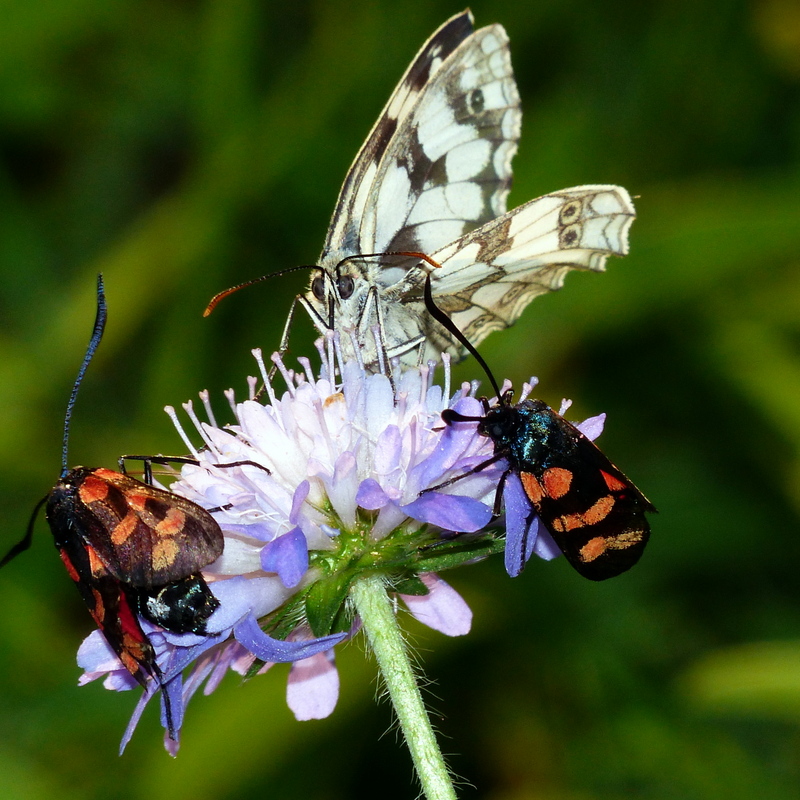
column 181, row 147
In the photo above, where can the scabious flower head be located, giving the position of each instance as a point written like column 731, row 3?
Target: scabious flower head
column 312, row 490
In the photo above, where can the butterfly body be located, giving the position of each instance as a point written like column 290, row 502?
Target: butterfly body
column 433, row 178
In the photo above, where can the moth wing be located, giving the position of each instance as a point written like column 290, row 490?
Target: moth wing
column 594, row 512
column 147, row 537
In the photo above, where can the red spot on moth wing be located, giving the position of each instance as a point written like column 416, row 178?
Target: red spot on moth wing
column 96, row 564
column 533, row 489
column 599, row 511
column 557, row 481
column 614, row 483
column 172, row 524
column 93, row 489
column 98, row 609
column 593, row 549
column 71, row 571
column 596, row 513
column 123, row 531
column 137, row 500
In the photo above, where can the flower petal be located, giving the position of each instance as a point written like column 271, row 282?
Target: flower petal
column 249, row 634
column 371, row 496
column 522, row 525
column 287, row 556
column 449, row 511
column 592, row 427
column 442, row 609
column 151, row 688
column 312, row 689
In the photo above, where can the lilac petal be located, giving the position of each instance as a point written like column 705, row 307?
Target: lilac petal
column 312, row 689
column 181, row 657
column 201, row 670
column 287, row 556
column 592, row 427
column 371, row 496
column 521, row 528
column 98, row 660
column 255, row 530
column 173, row 691
column 545, row 546
column 300, row 495
column 151, row 688
column 450, row 511
column 249, row 634
column 342, row 488
column 238, row 596
column 442, row 609
column 454, row 441
column 228, row 659
column 388, row 451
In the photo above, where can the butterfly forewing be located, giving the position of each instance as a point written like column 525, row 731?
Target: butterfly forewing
column 438, row 161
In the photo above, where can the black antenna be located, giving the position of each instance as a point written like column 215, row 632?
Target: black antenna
column 212, row 304
column 444, row 320
column 97, row 335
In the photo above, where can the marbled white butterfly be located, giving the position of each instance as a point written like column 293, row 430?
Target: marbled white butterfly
column 430, row 185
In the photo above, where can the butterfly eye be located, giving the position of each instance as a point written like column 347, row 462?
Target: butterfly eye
column 345, row 285
column 318, row 288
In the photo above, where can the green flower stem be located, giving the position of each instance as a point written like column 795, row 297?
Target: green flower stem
column 380, row 624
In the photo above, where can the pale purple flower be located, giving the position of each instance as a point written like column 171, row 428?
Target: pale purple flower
column 332, row 488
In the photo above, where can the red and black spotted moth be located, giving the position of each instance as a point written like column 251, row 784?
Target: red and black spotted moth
column 593, row 511
column 132, row 549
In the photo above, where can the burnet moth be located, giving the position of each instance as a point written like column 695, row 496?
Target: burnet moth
column 594, row 513
column 132, row 549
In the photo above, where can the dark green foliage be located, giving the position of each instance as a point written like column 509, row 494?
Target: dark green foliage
column 182, row 147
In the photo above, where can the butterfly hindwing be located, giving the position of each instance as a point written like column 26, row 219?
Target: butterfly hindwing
column 488, row 276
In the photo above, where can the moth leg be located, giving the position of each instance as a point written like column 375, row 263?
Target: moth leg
column 450, row 481
column 148, row 462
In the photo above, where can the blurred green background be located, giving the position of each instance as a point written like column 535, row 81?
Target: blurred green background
column 181, row 147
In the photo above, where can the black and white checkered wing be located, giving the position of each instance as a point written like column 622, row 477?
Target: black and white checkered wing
column 489, row 275
column 438, row 161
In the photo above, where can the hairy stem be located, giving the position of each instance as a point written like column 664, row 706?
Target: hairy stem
column 380, row 624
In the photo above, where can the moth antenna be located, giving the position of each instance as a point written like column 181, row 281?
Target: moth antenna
column 97, row 335
column 446, row 322
column 221, row 295
column 25, row 542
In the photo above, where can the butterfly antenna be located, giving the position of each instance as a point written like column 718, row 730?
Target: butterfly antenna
column 445, row 321
column 97, row 335
column 217, row 297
